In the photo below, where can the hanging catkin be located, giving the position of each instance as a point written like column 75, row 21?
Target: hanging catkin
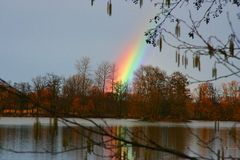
column 178, row 59
column 140, row 3
column 231, row 46
column 210, row 50
column 177, row 29
column 214, row 71
column 168, row 3
column 186, row 61
column 176, row 56
column 199, row 64
column 196, row 61
column 109, row 8
column 160, row 43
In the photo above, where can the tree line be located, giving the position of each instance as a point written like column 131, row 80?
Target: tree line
column 153, row 95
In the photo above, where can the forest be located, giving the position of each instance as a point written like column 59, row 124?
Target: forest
column 152, row 95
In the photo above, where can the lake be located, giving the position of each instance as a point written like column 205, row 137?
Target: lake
column 20, row 139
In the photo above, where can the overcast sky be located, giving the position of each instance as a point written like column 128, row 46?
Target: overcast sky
column 41, row 36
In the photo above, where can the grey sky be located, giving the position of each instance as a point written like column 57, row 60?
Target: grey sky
column 40, row 36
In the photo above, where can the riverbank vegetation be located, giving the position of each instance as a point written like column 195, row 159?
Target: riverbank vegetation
column 152, row 95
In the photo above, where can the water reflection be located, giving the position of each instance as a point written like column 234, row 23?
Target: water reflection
column 74, row 143
column 170, row 137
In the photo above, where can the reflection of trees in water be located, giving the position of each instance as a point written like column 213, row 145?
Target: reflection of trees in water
column 80, row 143
column 104, row 146
column 234, row 136
column 210, row 143
column 178, row 138
column 203, row 136
column 10, row 137
column 170, row 137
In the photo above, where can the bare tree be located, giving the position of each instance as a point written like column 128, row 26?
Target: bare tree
column 102, row 74
column 112, row 77
column 23, row 87
column 72, row 86
column 186, row 33
column 72, row 90
column 83, row 68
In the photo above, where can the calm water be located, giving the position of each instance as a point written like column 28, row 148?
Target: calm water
column 69, row 142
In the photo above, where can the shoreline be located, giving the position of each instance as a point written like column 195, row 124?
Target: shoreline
column 140, row 119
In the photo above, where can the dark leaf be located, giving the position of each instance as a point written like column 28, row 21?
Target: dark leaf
column 191, row 35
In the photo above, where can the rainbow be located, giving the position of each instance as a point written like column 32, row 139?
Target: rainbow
column 130, row 59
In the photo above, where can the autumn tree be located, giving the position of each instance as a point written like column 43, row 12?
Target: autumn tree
column 121, row 91
column 207, row 102
column 54, row 85
column 39, row 84
column 148, row 79
column 179, row 95
column 230, row 101
column 8, row 98
column 25, row 89
column 150, row 84
column 71, row 91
